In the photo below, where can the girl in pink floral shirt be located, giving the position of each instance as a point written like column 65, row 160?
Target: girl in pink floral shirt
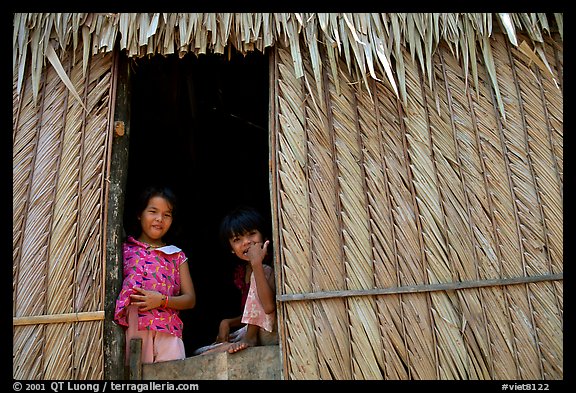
column 157, row 283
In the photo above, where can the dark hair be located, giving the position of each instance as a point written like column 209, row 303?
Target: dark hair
column 239, row 221
column 154, row 191
column 157, row 191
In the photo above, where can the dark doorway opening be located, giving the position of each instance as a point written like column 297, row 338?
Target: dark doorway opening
column 199, row 124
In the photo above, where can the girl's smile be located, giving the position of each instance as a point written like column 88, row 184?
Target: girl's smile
column 241, row 243
column 156, row 219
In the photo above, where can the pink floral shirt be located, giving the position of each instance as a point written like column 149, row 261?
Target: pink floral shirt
column 254, row 313
column 156, row 270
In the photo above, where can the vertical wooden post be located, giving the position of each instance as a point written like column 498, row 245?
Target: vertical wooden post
column 114, row 339
column 135, row 359
column 273, row 149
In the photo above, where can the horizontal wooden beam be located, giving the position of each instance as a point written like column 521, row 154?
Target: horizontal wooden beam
column 59, row 318
column 419, row 288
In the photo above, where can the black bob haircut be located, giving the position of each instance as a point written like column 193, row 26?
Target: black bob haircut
column 241, row 220
column 154, row 191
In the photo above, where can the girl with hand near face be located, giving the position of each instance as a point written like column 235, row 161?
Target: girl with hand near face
column 242, row 231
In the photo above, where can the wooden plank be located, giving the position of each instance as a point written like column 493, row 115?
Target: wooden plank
column 420, row 288
column 135, row 359
column 58, row 318
column 114, row 340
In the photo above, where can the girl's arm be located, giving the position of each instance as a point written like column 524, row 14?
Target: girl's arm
column 187, row 297
column 147, row 300
column 225, row 326
column 266, row 288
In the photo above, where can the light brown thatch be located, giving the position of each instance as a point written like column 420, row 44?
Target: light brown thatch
column 415, row 244
column 367, row 41
column 60, row 148
column 417, row 187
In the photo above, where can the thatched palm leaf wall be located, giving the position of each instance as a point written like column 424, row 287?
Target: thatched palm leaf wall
column 417, row 187
column 366, row 41
column 59, row 156
column 374, row 196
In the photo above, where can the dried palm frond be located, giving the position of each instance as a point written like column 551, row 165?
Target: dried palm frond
column 433, row 194
column 59, row 156
column 361, row 38
column 411, row 151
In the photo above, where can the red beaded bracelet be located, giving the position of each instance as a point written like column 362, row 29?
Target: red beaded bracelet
column 166, row 301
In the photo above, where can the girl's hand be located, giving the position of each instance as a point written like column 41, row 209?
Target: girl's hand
column 146, row 300
column 257, row 252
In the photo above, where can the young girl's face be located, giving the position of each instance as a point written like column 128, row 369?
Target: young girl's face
column 241, row 243
column 155, row 220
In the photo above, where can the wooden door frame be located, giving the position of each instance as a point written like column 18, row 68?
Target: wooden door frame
column 113, row 335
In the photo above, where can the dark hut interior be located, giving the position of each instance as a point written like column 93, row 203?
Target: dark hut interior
column 200, row 125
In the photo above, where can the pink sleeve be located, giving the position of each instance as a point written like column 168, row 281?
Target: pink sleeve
column 128, row 282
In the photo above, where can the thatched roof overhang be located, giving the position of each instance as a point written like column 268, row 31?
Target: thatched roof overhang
column 365, row 40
